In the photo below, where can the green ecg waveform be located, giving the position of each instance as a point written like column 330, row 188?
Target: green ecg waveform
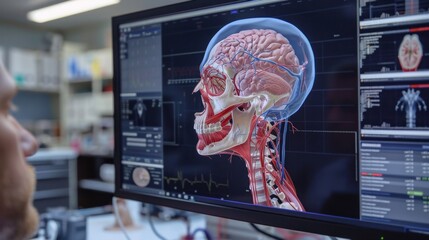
column 209, row 183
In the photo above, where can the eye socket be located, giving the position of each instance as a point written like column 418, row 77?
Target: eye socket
column 214, row 81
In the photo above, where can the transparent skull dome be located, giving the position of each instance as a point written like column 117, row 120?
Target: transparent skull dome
column 268, row 60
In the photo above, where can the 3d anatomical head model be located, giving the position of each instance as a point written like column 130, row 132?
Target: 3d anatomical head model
column 255, row 74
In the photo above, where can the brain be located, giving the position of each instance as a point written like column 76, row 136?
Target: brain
column 410, row 52
column 264, row 55
column 259, row 57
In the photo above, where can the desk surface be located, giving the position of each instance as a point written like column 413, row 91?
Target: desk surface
column 171, row 230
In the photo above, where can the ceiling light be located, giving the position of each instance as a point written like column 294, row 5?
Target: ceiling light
column 67, row 8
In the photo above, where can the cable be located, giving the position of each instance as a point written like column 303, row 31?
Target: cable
column 152, row 226
column 118, row 218
column 265, row 233
column 206, row 233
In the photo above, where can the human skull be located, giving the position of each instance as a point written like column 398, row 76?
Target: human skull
column 244, row 76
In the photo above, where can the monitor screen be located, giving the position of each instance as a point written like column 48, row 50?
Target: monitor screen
column 278, row 112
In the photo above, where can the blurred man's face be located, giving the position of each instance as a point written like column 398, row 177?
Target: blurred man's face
column 18, row 217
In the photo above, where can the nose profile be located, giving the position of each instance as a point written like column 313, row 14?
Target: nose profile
column 27, row 141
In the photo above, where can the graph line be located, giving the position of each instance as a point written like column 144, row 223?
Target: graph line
column 197, row 180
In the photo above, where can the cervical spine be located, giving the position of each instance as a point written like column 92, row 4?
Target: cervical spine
column 265, row 180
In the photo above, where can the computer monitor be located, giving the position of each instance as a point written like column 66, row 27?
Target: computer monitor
column 302, row 114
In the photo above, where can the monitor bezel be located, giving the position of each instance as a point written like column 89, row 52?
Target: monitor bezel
column 307, row 222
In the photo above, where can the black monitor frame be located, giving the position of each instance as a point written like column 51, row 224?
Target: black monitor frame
column 308, row 222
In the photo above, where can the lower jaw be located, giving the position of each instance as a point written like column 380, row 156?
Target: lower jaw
column 203, row 145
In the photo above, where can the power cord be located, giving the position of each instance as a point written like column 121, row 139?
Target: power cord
column 149, row 216
column 192, row 236
column 152, row 226
column 206, row 233
column 265, row 233
column 118, row 218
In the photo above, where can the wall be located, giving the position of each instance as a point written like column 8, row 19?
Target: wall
column 32, row 105
column 23, row 37
column 93, row 36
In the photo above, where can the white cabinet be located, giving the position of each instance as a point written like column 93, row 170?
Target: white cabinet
column 56, row 185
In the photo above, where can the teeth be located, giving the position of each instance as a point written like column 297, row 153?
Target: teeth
column 224, row 117
column 204, row 128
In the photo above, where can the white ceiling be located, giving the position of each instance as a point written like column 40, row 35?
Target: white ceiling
column 16, row 11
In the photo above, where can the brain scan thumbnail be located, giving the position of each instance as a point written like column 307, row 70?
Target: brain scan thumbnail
column 255, row 74
column 410, row 52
